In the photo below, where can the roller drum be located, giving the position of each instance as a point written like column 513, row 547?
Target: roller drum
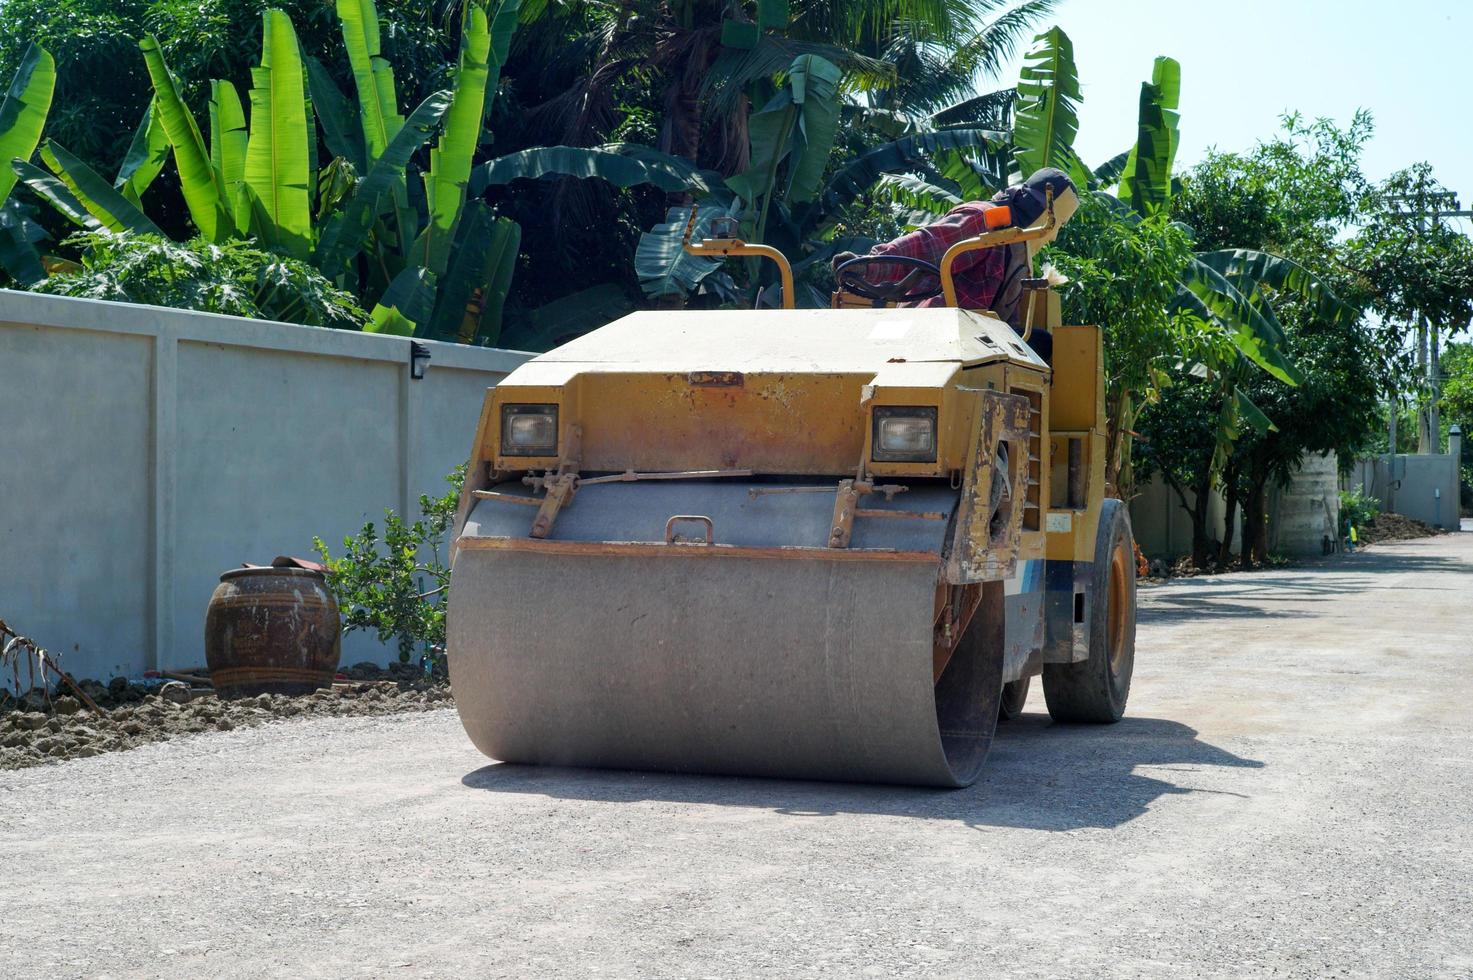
column 784, row 667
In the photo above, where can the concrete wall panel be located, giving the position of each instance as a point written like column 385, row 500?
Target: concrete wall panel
column 144, row 451
column 75, row 470
column 1423, row 487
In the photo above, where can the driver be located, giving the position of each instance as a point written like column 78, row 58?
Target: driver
column 989, row 278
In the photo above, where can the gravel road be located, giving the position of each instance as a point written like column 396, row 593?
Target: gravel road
column 1291, row 795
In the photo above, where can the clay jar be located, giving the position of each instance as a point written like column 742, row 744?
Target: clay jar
column 272, row 631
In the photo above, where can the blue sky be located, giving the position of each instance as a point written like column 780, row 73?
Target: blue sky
column 1244, row 63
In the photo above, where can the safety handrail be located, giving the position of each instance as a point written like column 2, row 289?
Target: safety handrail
column 735, row 246
column 992, row 239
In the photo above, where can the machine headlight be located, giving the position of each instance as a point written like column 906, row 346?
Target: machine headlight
column 529, row 430
column 904, row 434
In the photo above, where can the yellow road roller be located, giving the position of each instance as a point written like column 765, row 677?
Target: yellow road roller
column 820, row 544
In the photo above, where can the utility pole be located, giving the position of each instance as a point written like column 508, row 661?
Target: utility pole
column 1433, row 206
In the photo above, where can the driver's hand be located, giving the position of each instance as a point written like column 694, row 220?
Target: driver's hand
column 840, row 259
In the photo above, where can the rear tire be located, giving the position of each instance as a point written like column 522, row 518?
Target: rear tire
column 1014, row 696
column 1096, row 689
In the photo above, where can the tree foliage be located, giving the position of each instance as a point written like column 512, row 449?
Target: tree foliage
column 1409, row 264
column 397, row 585
column 234, row 278
column 1288, row 201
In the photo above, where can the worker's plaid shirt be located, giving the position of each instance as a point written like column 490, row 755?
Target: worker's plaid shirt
column 977, row 274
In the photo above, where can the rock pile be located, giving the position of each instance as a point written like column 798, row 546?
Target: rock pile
column 1395, row 527
column 35, row 730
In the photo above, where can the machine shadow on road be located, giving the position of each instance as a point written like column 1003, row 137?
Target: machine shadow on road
column 1040, row 776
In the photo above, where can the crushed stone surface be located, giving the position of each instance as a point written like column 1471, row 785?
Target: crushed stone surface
column 1291, row 795
column 39, row 729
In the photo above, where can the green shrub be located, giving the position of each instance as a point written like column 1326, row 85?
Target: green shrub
column 1356, row 509
column 235, row 278
column 385, row 589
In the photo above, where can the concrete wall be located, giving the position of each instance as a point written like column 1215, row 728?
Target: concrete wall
column 1299, row 516
column 1162, row 527
column 1303, row 516
column 1424, row 487
column 143, row 451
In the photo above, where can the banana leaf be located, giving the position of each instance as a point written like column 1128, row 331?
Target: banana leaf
column 919, row 200
column 479, row 276
column 18, row 236
column 405, row 304
column 973, row 181
column 770, row 139
column 342, row 127
column 503, row 26
column 900, row 156
column 203, row 193
column 346, row 232
column 623, row 165
column 23, row 113
column 1108, row 173
column 1145, row 181
column 103, row 201
column 797, row 126
column 56, row 194
column 146, row 156
column 278, row 167
column 451, row 157
column 1240, row 265
column 814, row 83
column 1045, row 117
column 493, row 299
column 1252, row 414
column 378, row 103
column 228, row 138
column 660, row 260
column 1245, row 317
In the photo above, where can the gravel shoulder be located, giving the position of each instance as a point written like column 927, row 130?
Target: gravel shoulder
column 1290, row 795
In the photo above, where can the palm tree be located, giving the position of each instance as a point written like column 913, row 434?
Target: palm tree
column 709, row 58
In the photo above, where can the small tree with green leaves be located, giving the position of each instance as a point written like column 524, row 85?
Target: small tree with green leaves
column 398, row 586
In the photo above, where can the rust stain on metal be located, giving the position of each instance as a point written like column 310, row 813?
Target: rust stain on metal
column 646, row 548
column 986, row 544
column 715, row 379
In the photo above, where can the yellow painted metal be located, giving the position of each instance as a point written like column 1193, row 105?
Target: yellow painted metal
column 752, row 395
column 1034, row 494
column 726, row 247
column 1078, row 383
column 984, row 549
column 1078, row 413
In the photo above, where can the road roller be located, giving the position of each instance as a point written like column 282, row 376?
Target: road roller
column 830, row 544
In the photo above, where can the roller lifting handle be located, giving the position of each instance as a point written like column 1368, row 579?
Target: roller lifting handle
column 700, row 519
column 735, row 246
column 992, row 239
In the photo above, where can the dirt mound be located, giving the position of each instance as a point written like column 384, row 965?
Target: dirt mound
column 1395, row 527
column 35, row 729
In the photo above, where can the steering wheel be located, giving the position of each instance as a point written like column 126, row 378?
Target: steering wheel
column 921, row 282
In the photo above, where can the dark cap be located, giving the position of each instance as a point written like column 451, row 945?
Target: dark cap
column 1028, row 199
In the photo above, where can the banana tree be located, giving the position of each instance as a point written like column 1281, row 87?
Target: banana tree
column 440, row 268
column 1222, row 308
column 443, row 268
column 22, row 118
